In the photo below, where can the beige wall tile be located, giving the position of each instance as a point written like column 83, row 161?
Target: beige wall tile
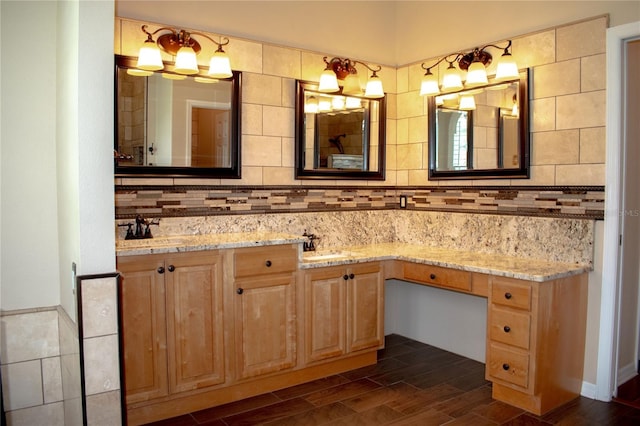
column 289, row 93
column 52, row 413
column 52, row 379
column 104, row 409
column 402, row 177
column 581, row 110
column 312, row 66
column 410, row 105
column 251, row 175
column 281, row 61
column 556, row 79
column 261, row 89
column 251, row 119
column 418, row 129
column 419, row 177
column 100, row 307
column 409, row 156
column 391, row 135
column 403, row 79
column 593, row 145
column 288, row 152
column 22, row 385
column 392, row 106
column 557, row 147
column 416, row 72
column 388, row 76
column 244, row 55
column 593, row 75
column 278, row 121
column 580, row 174
column 543, row 112
column 581, row 39
column 479, row 137
column 101, row 364
column 261, row 151
column 279, row 176
column 535, row 49
column 402, row 131
column 540, row 175
column 29, row 336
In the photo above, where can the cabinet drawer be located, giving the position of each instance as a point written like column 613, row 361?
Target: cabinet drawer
column 509, row 327
column 511, row 293
column 438, row 276
column 508, row 365
column 265, row 260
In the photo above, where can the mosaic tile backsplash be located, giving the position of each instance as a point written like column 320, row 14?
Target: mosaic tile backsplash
column 188, row 201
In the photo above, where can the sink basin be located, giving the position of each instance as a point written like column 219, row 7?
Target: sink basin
column 313, row 256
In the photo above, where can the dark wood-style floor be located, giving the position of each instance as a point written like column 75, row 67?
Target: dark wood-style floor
column 412, row 384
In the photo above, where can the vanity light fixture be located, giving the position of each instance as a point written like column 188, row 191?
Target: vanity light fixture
column 342, row 72
column 475, row 63
column 180, row 44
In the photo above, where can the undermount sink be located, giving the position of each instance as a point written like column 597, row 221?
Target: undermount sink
column 314, row 256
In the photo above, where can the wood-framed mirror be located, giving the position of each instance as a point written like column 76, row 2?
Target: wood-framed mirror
column 486, row 139
column 338, row 136
column 173, row 125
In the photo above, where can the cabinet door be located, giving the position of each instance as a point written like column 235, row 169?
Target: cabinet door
column 365, row 307
column 143, row 328
column 265, row 324
column 195, row 325
column 325, row 313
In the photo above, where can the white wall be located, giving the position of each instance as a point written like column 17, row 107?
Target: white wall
column 29, row 261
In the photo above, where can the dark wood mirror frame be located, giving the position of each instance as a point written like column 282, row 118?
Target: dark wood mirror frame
column 522, row 171
column 319, row 173
column 231, row 172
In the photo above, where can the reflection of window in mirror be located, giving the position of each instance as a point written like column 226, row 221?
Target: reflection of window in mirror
column 453, row 151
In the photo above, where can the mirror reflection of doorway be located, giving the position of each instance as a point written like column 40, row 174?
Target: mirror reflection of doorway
column 209, row 137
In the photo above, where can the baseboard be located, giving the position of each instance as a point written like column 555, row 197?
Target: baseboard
column 626, row 373
column 589, row 390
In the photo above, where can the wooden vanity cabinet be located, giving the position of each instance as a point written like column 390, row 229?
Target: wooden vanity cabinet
column 343, row 310
column 172, row 323
column 535, row 341
column 265, row 309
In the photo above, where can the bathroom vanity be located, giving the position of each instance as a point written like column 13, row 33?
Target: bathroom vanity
column 212, row 319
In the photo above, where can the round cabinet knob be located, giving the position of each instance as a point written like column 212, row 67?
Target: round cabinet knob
column 507, row 329
column 171, row 268
column 239, row 290
column 268, row 263
column 345, row 277
column 352, row 276
column 505, row 367
column 432, row 276
column 508, row 296
column 161, row 269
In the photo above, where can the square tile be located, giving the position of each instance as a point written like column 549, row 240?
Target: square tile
column 29, row 336
column 101, row 364
column 99, row 306
column 52, row 379
column 49, row 415
column 22, row 385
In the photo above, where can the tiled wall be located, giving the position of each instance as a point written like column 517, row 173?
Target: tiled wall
column 567, row 65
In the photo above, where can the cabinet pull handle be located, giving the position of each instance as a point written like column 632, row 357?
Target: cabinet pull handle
column 268, row 263
column 161, row 269
column 345, row 277
column 239, row 290
column 507, row 329
column 171, row 268
column 505, row 367
column 352, row 276
column 432, row 276
column 507, row 296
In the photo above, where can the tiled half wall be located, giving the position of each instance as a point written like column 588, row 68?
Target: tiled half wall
column 185, row 201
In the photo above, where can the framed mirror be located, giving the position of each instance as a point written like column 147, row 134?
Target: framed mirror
column 481, row 133
column 338, row 136
column 174, row 125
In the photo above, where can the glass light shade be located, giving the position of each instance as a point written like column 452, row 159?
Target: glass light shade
column 451, row 79
column 324, row 105
column 186, row 61
column 467, row 102
column 170, row 76
column 328, row 81
column 507, row 68
column 429, row 85
column 374, row 87
column 476, row 75
column 352, row 85
column 220, row 66
column 149, row 57
column 439, row 101
column 138, row 73
column 311, row 105
column 353, row 103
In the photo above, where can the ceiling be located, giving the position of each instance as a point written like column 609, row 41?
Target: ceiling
column 392, row 32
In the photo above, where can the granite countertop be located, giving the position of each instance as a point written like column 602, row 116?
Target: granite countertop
column 494, row 264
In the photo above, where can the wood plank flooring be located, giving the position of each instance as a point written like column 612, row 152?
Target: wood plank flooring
column 412, row 384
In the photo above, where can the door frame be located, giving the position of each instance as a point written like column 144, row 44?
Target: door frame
column 607, row 364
